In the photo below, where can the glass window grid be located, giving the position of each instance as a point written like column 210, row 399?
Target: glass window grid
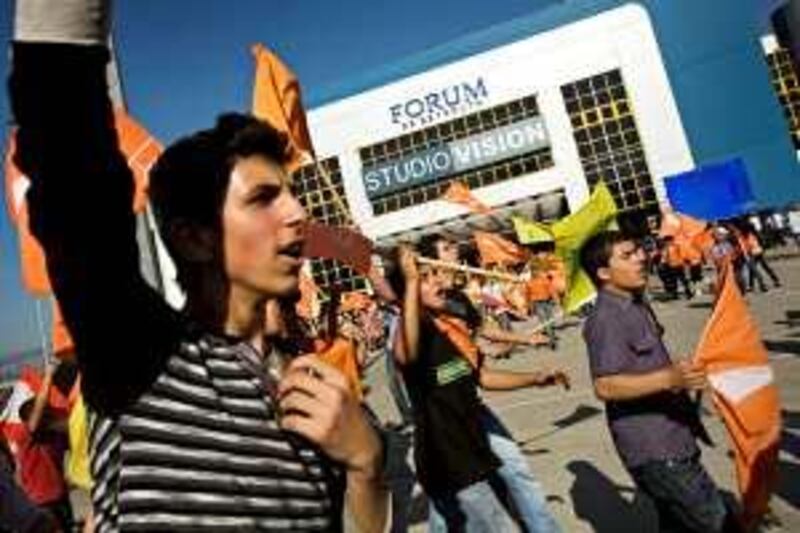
column 317, row 198
column 609, row 145
column 785, row 82
column 459, row 128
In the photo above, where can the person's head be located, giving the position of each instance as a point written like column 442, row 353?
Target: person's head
column 437, row 246
column 222, row 201
column 614, row 260
column 720, row 234
column 432, row 285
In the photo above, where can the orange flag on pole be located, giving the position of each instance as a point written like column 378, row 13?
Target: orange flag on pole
column 277, row 100
column 141, row 150
column 459, row 193
column 744, row 393
column 494, row 249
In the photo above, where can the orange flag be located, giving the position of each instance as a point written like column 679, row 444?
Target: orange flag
column 277, row 100
column 744, row 393
column 141, row 150
column 34, row 271
column 63, row 345
column 459, row 193
column 494, row 249
column 341, row 354
column 458, row 333
column 678, row 225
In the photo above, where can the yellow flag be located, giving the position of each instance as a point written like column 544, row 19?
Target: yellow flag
column 572, row 232
column 77, row 470
column 531, row 232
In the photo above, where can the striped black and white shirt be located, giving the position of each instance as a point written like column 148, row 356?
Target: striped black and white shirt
column 202, row 451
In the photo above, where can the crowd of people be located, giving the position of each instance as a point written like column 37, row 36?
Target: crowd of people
column 242, row 412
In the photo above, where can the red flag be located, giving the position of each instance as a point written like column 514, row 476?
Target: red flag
column 277, row 100
column 744, row 393
column 336, row 242
column 459, row 193
column 494, row 249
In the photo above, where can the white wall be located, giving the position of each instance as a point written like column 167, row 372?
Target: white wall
column 621, row 38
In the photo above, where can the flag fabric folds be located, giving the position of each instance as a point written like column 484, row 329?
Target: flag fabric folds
column 744, row 393
column 495, row 250
column 277, row 100
column 459, row 193
column 569, row 234
column 141, row 150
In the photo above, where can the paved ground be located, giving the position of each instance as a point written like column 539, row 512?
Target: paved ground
column 564, row 434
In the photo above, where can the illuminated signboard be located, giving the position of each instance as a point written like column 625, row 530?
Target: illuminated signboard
column 454, row 157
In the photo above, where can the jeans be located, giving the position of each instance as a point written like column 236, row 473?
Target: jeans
column 684, row 495
column 473, row 509
column 545, row 310
column 523, row 489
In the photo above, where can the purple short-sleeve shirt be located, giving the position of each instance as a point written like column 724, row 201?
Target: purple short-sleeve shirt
column 623, row 338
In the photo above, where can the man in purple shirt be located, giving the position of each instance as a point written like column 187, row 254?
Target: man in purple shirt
column 652, row 420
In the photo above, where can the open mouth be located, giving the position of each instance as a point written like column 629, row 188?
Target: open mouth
column 293, row 251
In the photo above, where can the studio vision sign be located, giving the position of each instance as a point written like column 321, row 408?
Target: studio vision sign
column 455, row 157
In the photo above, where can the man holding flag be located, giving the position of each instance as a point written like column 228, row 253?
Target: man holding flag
column 653, row 422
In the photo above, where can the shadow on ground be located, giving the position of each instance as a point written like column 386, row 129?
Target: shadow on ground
column 606, row 506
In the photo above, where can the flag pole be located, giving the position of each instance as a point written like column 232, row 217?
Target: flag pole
column 42, row 334
column 337, row 198
column 469, row 270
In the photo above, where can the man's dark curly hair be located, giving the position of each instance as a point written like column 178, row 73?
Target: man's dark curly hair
column 190, row 180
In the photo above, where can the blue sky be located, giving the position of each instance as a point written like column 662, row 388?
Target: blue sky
column 183, row 62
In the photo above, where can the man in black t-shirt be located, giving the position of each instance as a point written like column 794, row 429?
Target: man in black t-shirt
column 454, row 463
column 454, row 458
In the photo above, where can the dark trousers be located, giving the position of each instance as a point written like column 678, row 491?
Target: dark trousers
column 685, row 496
column 752, row 266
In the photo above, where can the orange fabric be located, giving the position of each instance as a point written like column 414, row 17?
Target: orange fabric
column 355, row 301
column 732, row 342
column 494, row 249
column 690, row 252
column 679, row 225
column 549, row 279
column 752, row 245
column 277, row 100
column 674, row 255
column 538, row 287
column 459, row 334
column 307, row 307
column 459, row 193
column 341, row 354
column 704, row 241
column 558, row 277
column 63, row 345
column 32, row 262
column 141, row 150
